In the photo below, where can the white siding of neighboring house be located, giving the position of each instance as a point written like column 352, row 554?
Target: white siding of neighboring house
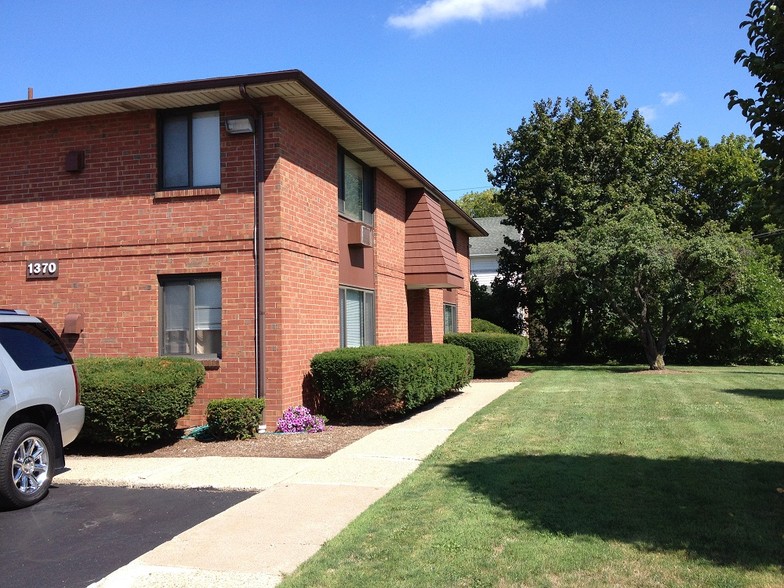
column 485, row 269
column 484, row 250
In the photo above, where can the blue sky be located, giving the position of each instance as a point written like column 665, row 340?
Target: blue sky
column 439, row 81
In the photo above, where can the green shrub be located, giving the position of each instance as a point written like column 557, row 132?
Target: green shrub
column 364, row 382
column 494, row 353
column 136, row 400
column 482, row 326
column 234, row 418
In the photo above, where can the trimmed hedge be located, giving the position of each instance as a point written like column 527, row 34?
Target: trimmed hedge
column 494, row 353
column 234, row 418
column 364, row 382
column 133, row 401
column 482, row 326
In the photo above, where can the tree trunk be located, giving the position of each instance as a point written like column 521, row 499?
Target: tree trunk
column 574, row 349
column 654, row 349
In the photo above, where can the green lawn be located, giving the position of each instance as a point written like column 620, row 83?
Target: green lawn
column 588, row 477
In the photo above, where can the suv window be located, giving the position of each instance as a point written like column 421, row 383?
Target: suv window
column 32, row 346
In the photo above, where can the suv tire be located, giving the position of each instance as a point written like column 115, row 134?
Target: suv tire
column 26, row 456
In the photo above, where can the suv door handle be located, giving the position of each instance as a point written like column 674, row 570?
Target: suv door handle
column 4, row 393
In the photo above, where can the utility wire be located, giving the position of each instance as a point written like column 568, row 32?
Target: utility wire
column 474, row 189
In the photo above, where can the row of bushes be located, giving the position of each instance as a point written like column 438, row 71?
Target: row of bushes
column 136, row 401
column 377, row 381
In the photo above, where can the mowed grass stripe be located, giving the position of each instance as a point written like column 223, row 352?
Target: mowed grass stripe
column 588, row 477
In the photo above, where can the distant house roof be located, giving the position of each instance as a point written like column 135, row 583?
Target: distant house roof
column 291, row 85
column 496, row 231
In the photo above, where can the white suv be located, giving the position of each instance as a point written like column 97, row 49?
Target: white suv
column 39, row 407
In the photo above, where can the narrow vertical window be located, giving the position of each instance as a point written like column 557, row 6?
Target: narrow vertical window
column 356, row 185
column 357, row 317
column 190, row 149
column 191, row 316
column 450, row 318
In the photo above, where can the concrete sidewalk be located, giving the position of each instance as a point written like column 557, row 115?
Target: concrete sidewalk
column 254, row 543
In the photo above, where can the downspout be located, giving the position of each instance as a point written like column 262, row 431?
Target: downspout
column 258, row 245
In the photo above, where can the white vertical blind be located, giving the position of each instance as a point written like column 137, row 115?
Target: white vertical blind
column 354, row 318
column 176, row 319
column 207, row 314
column 206, row 148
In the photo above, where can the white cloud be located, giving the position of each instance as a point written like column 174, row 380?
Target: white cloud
column 650, row 113
column 435, row 13
column 670, row 98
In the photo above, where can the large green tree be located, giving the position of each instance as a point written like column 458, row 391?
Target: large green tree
column 481, row 204
column 765, row 61
column 721, row 182
column 641, row 272
column 572, row 165
column 563, row 162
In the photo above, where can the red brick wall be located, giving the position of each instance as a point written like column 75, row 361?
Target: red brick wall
column 114, row 236
column 391, row 305
column 426, row 316
column 301, row 249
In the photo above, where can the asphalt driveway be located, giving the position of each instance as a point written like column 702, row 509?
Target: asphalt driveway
column 79, row 534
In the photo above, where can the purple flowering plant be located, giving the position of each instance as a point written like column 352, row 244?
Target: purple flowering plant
column 298, row 419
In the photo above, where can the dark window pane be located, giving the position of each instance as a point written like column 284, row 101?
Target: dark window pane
column 352, row 188
column 369, row 330
column 450, row 318
column 175, row 151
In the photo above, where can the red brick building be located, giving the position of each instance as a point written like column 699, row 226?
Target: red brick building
column 249, row 222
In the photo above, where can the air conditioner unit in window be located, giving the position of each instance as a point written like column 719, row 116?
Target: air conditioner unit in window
column 360, row 235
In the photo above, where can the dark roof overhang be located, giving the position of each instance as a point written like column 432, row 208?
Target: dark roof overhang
column 291, row 85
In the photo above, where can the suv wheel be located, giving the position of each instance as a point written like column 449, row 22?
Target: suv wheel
column 25, row 459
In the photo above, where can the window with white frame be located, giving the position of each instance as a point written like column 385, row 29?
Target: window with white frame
column 450, row 318
column 356, row 197
column 191, row 312
column 189, row 149
column 357, row 317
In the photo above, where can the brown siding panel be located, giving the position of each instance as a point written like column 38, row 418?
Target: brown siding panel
column 431, row 260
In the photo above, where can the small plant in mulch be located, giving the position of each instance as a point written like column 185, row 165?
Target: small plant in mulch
column 298, row 419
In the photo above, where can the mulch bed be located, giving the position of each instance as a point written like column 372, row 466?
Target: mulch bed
column 304, row 445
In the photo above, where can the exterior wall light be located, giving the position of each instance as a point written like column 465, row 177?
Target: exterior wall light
column 239, row 125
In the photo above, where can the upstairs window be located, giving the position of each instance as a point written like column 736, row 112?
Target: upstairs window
column 191, row 316
column 190, row 149
column 356, row 189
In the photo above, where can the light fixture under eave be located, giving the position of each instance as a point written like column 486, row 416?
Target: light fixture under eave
column 239, row 125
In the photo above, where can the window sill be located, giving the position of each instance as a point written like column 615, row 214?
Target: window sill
column 210, row 364
column 189, row 193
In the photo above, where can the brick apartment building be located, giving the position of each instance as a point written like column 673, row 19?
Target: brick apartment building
column 249, row 222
